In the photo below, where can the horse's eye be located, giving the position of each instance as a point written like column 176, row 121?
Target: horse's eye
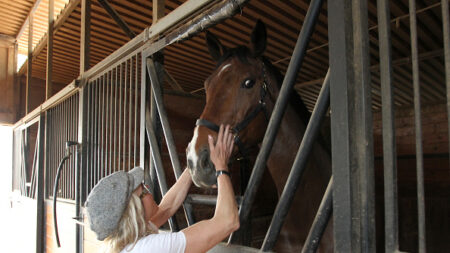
column 248, row 83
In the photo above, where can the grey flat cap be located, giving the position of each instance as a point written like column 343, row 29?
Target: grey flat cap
column 109, row 198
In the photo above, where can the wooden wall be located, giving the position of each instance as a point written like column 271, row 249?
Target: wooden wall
column 66, row 227
column 9, row 94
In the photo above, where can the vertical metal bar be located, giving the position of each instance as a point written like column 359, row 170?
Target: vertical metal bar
column 135, row 111
column 320, row 221
column 418, row 126
column 107, row 167
column 48, row 79
column 119, row 155
column 130, row 105
column 125, row 116
column 81, row 162
column 87, row 143
column 298, row 167
column 110, row 125
column 142, row 114
column 157, row 93
column 351, row 118
column 97, row 129
column 116, row 84
column 40, row 223
column 103, row 126
column 286, row 89
column 446, row 35
column 389, row 150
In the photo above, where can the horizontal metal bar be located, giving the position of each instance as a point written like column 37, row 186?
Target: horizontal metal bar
column 206, row 199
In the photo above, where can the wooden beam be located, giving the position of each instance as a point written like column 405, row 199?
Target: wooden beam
column 158, row 10
column 85, row 35
column 175, row 85
column 116, row 17
column 49, row 76
column 58, row 24
column 29, row 63
column 27, row 20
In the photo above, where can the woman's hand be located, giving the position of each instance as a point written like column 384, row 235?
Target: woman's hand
column 221, row 152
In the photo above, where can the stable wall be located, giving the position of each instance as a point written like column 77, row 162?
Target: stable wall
column 9, row 94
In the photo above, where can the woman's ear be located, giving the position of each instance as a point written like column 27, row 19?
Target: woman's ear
column 258, row 39
column 216, row 49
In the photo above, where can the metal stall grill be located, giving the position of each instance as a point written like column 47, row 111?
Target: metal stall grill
column 26, row 145
column 62, row 126
column 113, row 120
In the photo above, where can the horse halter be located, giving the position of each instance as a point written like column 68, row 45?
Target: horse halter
column 244, row 123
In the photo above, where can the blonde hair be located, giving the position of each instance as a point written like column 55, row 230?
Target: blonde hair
column 132, row 227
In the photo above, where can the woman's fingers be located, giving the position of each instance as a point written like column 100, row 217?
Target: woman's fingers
column 211, row 143
column 220, row 135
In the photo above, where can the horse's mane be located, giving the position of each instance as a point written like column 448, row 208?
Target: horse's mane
column 242, row 52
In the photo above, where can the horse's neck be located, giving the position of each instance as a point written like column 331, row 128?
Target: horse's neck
column 286, row 143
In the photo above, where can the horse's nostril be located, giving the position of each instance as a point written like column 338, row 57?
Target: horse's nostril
column 204, row 160
column 190, row 164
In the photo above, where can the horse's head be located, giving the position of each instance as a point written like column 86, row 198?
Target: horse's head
column 238, row 93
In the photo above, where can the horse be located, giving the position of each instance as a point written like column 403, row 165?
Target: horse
column 242, row 92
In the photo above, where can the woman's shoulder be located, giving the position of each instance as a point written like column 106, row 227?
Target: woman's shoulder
column 162, row 242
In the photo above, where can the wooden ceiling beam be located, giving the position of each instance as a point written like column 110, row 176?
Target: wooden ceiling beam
column 27, row 20
column 116, row 17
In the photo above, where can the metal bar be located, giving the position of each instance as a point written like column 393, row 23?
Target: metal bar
column 320, row 221
column 157, row 161
column 135, row 112
column 116, row 84
column 130, row 105
column 110, row 125
column 299, row 165
column 103, row 168
column 275, row 119
column 157, row 93
column 142, row 116
column 81, row 162
column 85, row 33
column 116, row 17
column 97, row 129
column 206, row 199
column 418, row 127
column 119, row 155
column 107, row 167
column 389, row 150
column 124, row 134
column 352, row 141
column 446, row 35
column 40, row 222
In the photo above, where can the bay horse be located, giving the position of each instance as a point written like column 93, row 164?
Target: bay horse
column 241, row 92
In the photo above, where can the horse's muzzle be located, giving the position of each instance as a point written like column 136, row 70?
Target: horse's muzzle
column 203, row 171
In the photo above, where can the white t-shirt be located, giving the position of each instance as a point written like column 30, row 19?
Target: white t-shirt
column 163, row 242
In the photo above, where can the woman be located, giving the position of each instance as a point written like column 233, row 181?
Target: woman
column 122, row 212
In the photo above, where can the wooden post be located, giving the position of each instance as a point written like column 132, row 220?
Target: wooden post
column 29, row 63
column 158, row 10
column 49, row 83
column 85, row 35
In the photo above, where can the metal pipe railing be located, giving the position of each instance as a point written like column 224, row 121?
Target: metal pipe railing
column 299, row 166
column 280, row 106
column 156, row 157
column 389, row 151
column 320, row 221
column 418, row 127
column 157, row 94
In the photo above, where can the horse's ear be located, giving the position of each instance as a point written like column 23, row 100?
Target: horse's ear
column 216, row 49
column 258, row 39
